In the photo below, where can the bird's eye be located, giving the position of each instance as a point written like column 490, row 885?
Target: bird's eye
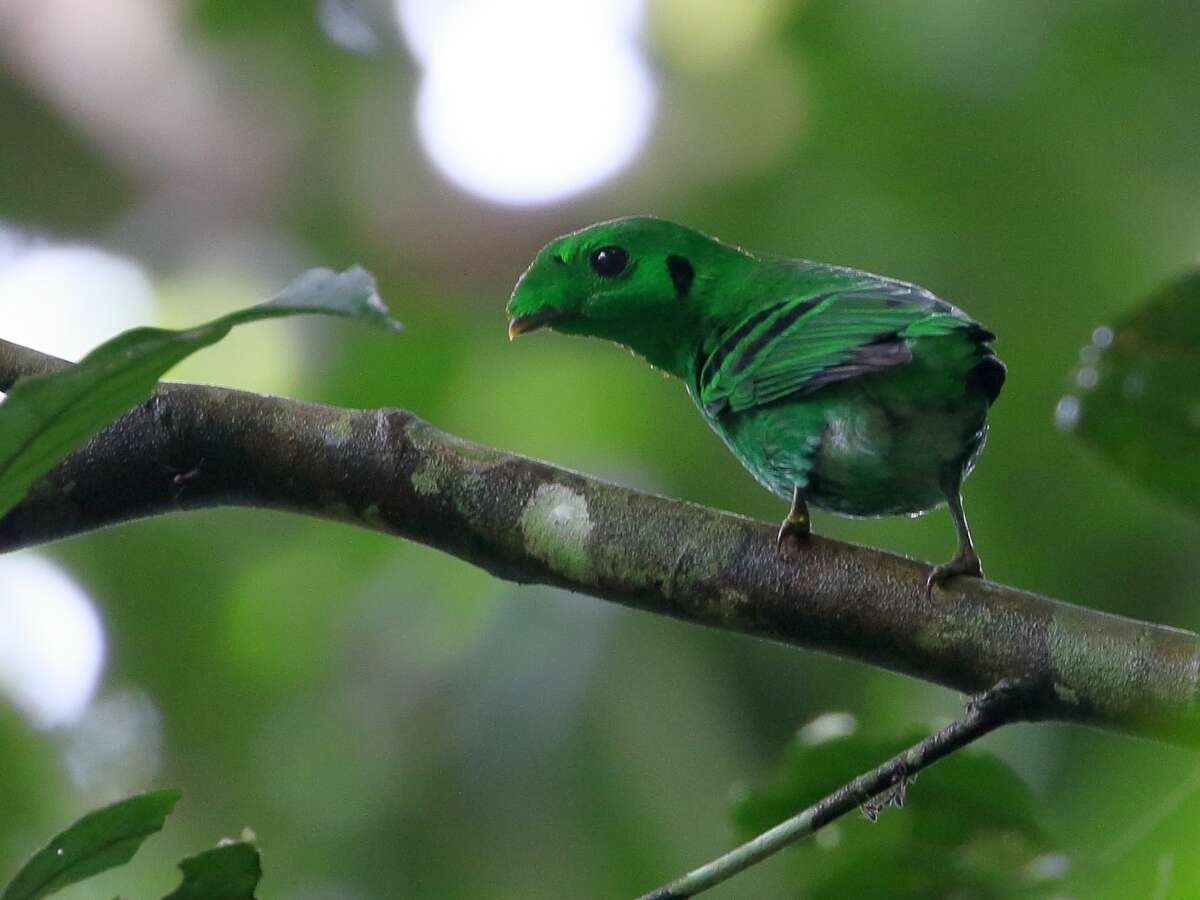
column 608, row 262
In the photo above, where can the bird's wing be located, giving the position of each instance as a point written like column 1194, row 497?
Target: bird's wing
column 803, row 343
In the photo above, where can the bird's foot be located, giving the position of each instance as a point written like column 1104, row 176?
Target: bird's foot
column 962, row 564
column 793, row 535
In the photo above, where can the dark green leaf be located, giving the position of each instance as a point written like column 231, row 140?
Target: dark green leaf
column 46, row 417
column 228, row 872
column 101, row 840
column 1136, row 393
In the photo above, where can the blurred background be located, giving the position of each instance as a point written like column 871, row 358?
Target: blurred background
column 392, row 723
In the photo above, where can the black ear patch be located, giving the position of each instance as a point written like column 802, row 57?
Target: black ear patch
column 682, row 273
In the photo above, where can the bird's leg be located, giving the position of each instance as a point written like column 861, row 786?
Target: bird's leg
column 965, row 560
column 796, row 527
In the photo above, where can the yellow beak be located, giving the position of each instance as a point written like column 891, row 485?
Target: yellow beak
column 534, row 321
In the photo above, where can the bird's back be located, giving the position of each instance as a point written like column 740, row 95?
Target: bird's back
column 862, row 388
column 797, row 326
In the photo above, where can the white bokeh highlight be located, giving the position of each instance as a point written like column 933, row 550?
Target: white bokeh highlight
column 66, row 298
column 51, row 641
column 115, row 747
column 529, row 101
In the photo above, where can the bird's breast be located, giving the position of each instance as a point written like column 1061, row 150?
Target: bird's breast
column 852, row 453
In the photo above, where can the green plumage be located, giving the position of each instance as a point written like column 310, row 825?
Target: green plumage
column 861, row 394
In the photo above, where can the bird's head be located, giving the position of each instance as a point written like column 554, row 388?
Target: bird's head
column 642, row 282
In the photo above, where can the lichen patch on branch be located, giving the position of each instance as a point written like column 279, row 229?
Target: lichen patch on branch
column 556, row 525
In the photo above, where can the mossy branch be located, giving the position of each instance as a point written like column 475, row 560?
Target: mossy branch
column 191, row 447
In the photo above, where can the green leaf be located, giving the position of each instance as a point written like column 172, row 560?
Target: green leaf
column 228, row 872
column 46, row 417
column 969, row 819
column 102, row 839
column 1136, row 393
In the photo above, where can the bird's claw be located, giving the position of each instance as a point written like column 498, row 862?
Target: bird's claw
column 966, row 564
column 793, row 534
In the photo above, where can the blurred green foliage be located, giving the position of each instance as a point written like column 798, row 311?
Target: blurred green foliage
column 972, row 826
column 1140, row 390
column 392, row 723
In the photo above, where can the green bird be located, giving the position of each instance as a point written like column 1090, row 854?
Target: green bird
column 860, row 394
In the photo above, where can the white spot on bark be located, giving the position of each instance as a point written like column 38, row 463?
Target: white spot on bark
column 556, row 526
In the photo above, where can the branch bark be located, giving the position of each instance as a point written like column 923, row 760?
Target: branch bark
column 191, row 447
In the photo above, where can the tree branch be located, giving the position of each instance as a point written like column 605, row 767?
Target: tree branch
column 191, row 447
column 870, row 791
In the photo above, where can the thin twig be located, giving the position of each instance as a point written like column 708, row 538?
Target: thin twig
column 999, row 706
